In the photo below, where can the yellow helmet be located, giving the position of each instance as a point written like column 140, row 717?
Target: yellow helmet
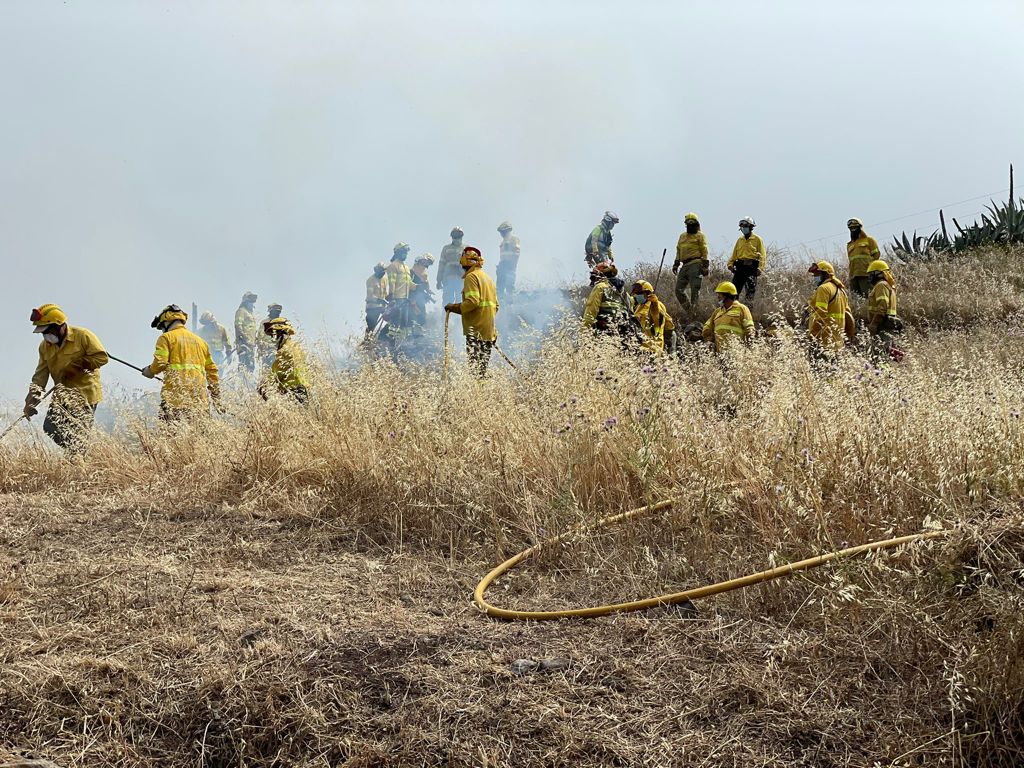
column 854, row 223
column 878, row 266
column 691, row 216
column 641, row 286
column 822, row 266
column 168, row 315
column 278, row 325
column 726, row 288
column 471, row 257
column 47, row 315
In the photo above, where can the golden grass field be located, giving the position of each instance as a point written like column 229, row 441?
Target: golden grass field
column 293, row 588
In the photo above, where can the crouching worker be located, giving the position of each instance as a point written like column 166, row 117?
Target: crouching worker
column 188, row 369
column 478, row 307
column 288, row 371
column 72, row 357
column 730, row 321
column 656, row 326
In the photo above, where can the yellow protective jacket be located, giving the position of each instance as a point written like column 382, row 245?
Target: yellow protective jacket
column 289, row 367
column 216, row 337
column 189, row 371
column 751, row 248
column 376, row 291
column 654, row 320
column 827, row 319
column 399, row 280
column 604, row 299
column 881, row 304
column 73, row 366
column 691, row 247
column 245, row 328
column 508, row 251
column 448, row 267
column 725, row 325
column 479, row 305
column 861, row 252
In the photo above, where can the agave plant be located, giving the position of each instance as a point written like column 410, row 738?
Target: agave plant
column 920, row 246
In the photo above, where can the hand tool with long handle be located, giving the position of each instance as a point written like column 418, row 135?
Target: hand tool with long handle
column 125, row 362
column 23, row 417
column 664, row 252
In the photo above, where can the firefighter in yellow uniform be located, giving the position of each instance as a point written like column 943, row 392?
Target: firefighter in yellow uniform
column 883, row 323
column 606, row 311
column 449, row 273
column 826, row 319
column 245, row 331
column 265, row 346
column 691, row 264
column 288, row 372
column 508, row 260
column 656, row 325
column 376, row 296
column 748, row 259
column 731, row 320
column 861, row 251
column 478, row 307
column 189, row 371
column 216, row 337
column 71, row 357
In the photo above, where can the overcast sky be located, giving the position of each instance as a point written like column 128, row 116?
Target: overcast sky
column 157, row 152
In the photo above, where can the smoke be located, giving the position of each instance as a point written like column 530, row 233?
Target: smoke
column 189, row 152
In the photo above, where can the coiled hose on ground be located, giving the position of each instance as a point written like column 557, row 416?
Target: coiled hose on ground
column 673, row 597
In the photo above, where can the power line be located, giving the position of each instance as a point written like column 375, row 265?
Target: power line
column 908, row 216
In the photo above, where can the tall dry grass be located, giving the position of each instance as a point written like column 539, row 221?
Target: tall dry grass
column 769, row 457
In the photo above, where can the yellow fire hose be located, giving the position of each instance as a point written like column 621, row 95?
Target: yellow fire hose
column 673, row 597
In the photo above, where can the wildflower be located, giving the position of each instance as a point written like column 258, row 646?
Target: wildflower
column 648, row 370
column 487, row 441
column 391, row 435
column 599, row 374
column 1015, row 413
column 561, row 406
column 565, row 428
column 610, row 423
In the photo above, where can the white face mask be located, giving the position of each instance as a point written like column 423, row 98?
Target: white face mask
column 51, row 338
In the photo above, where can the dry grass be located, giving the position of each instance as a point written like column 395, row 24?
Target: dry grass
column 294, row 591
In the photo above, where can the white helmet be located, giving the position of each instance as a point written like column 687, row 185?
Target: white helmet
column 747, row 221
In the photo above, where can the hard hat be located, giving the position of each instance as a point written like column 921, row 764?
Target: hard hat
column 504, row 226
column 399, row 248
column 822, row 267
column 691, row 216
column 381, row 266
column 272, row 307
column 641, row 286
column 605, row 269
column 878, row 266
column 206, row 318
column 727, row 288
column 278, row 325
column 854, row 223
column 168, row 315
column 471, row 257
column 47, row 315
column 609, row 216
column 249, row 296
column 457, row 232
column 746, row 221
column 426, row 258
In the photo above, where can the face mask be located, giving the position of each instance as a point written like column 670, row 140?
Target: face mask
column 51, row 338
column 640, row 299
column 691, row 229
column 745, row 231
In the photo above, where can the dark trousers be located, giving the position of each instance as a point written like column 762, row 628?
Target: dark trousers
column 246, row 358
column 506, row 279
column 745, row 277
column 479, row 353
column 373, row 317
column 69, row 425
column 861, row 285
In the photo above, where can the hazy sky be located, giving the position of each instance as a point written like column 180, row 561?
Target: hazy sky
column 157, row 152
